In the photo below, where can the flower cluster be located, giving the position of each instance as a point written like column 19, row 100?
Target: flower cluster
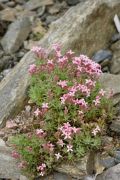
column 68, row 110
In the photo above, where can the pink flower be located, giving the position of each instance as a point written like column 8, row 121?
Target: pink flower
column 40, row 133
column 58, row 156
column 32, row 69
column 97, row 101
column 41, row 167
column 62, row 83
column 69, row 148
column 102, row 92
column 49, row 147
column 90, row 83
column 29, row 149
column 15, row 154
column 22, row 164
column 37, row 112
column 42, row 173
column 81, row 103
column 40, row 52
column 60, row 142
column 96, row 130
column 45, row 105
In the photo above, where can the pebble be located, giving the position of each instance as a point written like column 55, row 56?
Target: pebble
column 108, row 162
column 50, row 19
column 115, row 38
column 117, row 156
column 101, row 55
column 11, row 4
column 20, row 54
column 6, row 72
column 72, row 2
column 40, row 11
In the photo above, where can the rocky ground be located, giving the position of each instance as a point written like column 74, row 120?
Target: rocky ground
column 22, row 24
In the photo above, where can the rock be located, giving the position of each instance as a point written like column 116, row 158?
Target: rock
column 77, row 170
column 17, row 32
column 72, row 2
column 34, row 4
column 117, row 156
column 115, row 126
column 4, row 62
column 54, row 9
column 11, row 4
column 8, row 165
column 40, row 11
column 110, row 82
column 38, row 29
column 108, row 162
column 60, row 176
column 115, row 38
column 20, row 54
column 8, row 14
column 70, row 31
column 105, row 69
column 4, row 1
column 115, row 62
column 6, row 72
column 112, row 173
column 50, row 19
column 29, row 44
column 101, row 55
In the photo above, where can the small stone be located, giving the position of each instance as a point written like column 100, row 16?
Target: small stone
column 34, row 4
column 50, row 19
column 108, row 162
column 115, row 38
column 21, row 2
column 17, row 32
column 105, row 69
column 72, row 2
column 117, row 156
column 112, row 173
column 4, row 1
column 1, row 77
column 23, row 177
column 115, row 126
column 60, row 176
column 8, row 14
column 6, row 72
column 29, row 44
column 40, row 11
column 104, row 63
column 54, row 9
column 20, row 54
column 101, row 55
column 11, row 4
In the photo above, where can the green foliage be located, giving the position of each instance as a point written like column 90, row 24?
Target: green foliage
column 84, row 130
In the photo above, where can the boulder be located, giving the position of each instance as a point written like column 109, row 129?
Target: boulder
column 84, row 28
column 8, row 165
column 112, row 173
column 77, row 170
column 17, row 32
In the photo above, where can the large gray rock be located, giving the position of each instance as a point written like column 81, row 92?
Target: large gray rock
column 8, row 165
column 17, row 32
column 82, row 28
column 77, row 170
column 112, row 173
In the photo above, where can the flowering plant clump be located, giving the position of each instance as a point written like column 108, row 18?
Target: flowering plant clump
column 71, row 110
